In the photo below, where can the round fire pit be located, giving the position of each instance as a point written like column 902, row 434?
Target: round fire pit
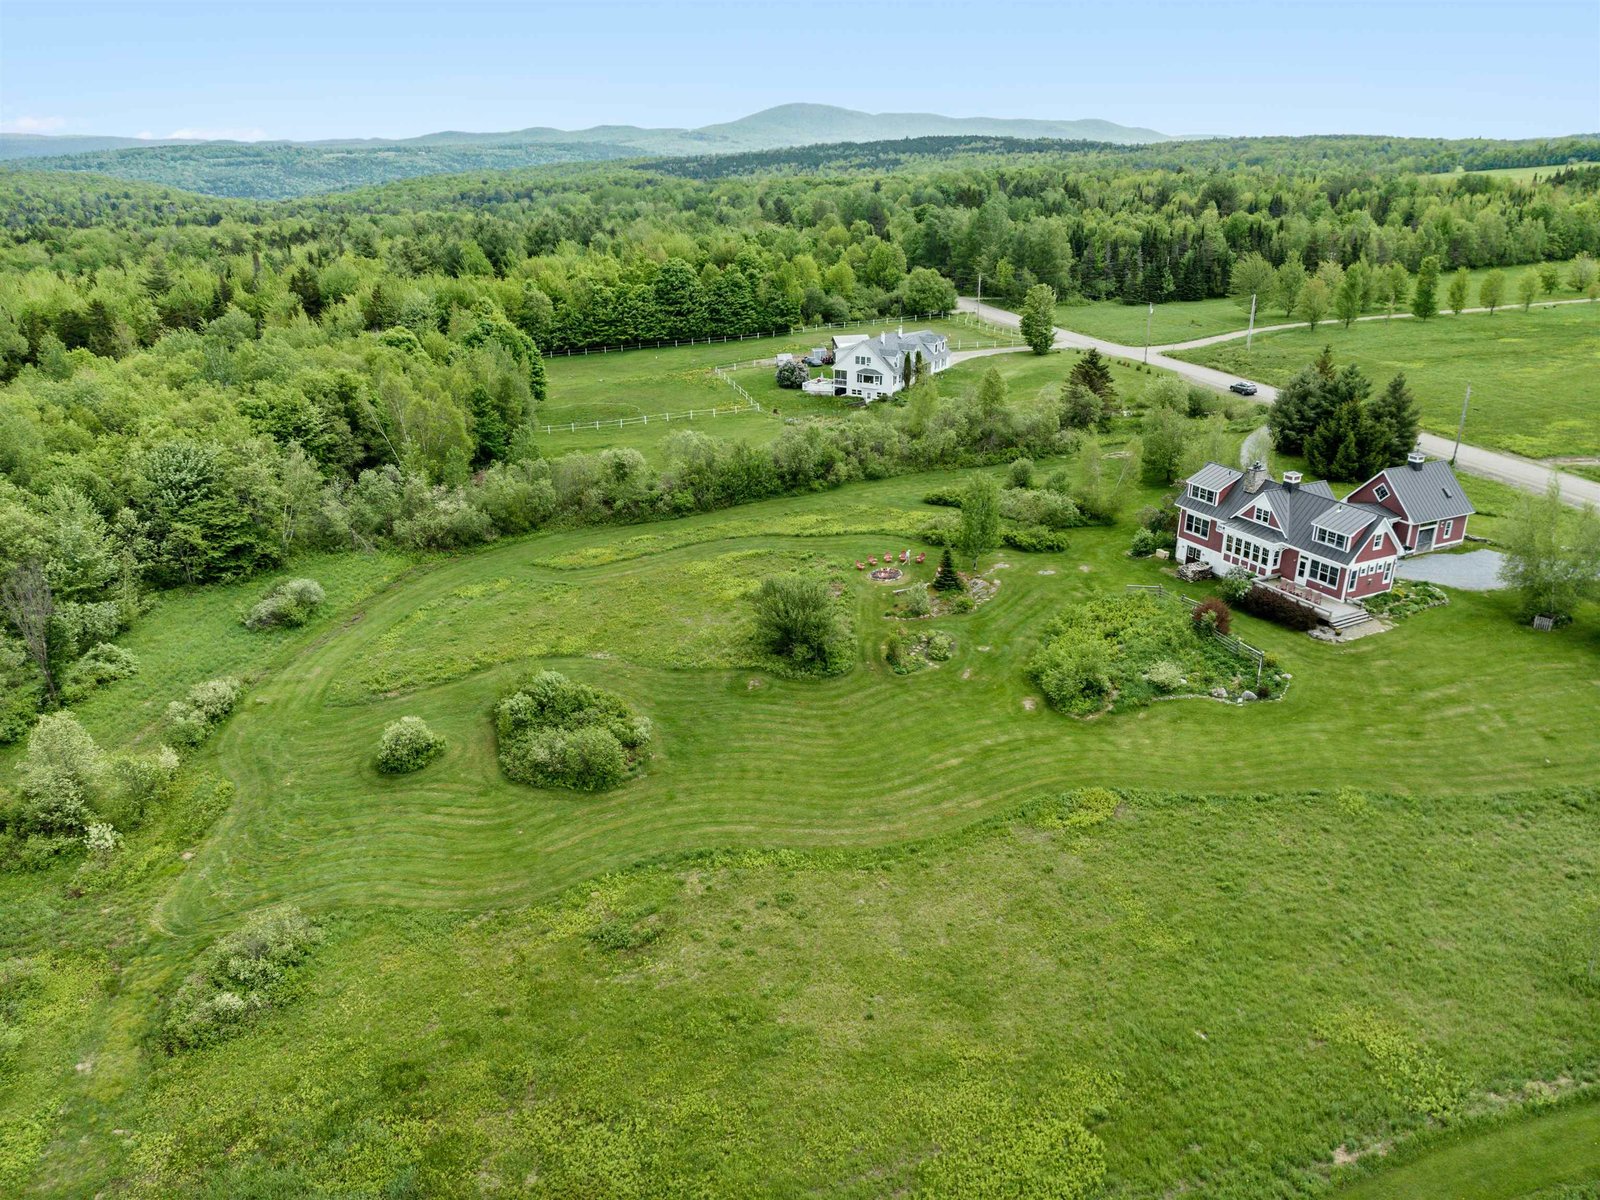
column 887, row 574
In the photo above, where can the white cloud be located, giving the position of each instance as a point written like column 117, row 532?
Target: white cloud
column 216, row 135
column 32, row 124
column 144, row 135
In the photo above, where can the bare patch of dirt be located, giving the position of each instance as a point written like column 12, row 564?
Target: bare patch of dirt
column 1029, row 703
column 1047, row 571
column 1085, row 568
column 754, row 684
column 967, row 674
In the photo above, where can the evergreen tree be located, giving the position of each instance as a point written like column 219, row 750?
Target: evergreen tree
column 1092, row 372
column 157, row 283
column 304, row 283
column 945, row 578
column 1345, row 446
column 1425, row 299
column 1395, row 421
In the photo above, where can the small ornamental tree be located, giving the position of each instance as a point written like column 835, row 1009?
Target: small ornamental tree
column 407, row 745
column 1211, row 613
column 791, row 374
column 945, row 578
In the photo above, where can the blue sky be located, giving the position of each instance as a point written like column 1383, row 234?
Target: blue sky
column 230, row 68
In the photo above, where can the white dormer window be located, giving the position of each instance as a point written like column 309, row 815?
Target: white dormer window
column 1337, row 540
column 1381, row 492
column 1204, row 495
column 1261, row 513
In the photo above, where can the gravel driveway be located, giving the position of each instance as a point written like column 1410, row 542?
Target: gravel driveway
column 1474, row 571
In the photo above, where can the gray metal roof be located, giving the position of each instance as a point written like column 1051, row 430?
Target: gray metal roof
column 1345, row 519
column 1429, row 492
column 1214, row 477
column 1298, row 509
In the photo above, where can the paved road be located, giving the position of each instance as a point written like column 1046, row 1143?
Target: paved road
column 1510, row 469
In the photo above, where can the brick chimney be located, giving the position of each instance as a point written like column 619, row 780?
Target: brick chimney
column 1291, row 480
column 1255, row 475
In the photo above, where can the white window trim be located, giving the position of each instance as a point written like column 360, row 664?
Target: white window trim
column 1446, row 529
column 1315, row 569
column 1381, row 492
column 1204, row 495
column 1190, row 523
column 1327, row 537
column 1377, row 540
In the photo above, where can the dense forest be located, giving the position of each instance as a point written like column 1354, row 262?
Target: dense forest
column 195, row 388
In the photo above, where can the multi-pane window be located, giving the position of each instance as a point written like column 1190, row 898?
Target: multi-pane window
column 1204, row 495
column 1328, row 538
column 1322, row 572
column 1199, row 526
column 1381, row 492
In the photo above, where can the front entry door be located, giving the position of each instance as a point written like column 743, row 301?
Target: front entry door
column 1425, row 538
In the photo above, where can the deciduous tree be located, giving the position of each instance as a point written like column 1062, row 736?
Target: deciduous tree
column 1552, row 554
column 1039, row 317
column 1425, row 299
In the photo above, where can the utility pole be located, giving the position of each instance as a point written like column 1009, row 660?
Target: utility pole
column 1248, row 337
column 1462, row 427
column 980, row 295
column 1148, row 317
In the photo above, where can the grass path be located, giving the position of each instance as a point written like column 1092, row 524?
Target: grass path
column 1509, row 1162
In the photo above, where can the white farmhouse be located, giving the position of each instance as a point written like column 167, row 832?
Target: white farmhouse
column 872, row 368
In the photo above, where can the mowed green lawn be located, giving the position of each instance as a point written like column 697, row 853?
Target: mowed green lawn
column 443, row 642
column 1184, row 320
column 1533, row 375
column 588, row 394
column 1554, row 1155
column 1213, row 991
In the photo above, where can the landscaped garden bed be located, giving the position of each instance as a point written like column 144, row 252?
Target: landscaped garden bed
column 910, row 650
column 1405, row 598
column 1122, row 652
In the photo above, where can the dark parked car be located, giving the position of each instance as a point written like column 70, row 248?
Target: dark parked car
column 1243, row 388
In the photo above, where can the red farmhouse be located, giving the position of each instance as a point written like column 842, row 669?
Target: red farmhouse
column 1303, row 534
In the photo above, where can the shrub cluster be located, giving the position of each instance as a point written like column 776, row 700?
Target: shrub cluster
column 1124, row 649
column 798, row 620
column 287, row 605
column 1272, row 605
column 1034, row 538
column 1211, row 613
column 1147, row 541
column 104, row 663
column 1236, row 585
column 204, row 706
column 556, row 732
column 240, row 976
column 67, row 784
column 407, row 745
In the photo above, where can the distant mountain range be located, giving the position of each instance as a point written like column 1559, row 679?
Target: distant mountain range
column 785, row 125
column 274, row 170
